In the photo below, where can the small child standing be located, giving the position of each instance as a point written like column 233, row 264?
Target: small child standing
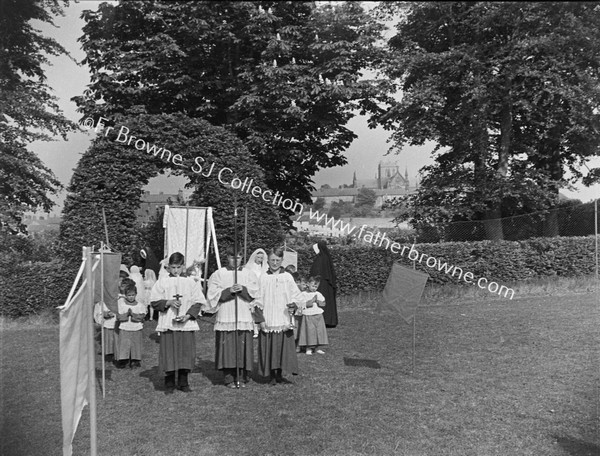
column 300, row 280
column 313, row 334
column 131, row 316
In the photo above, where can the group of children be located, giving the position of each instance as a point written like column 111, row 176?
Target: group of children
column 179, row 300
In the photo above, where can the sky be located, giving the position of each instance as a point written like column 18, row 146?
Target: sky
column 68, row 79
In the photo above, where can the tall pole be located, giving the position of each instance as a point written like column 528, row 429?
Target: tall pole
column 102, row 319
column 414, row 330
column 596, row 233
column 414, row 325
column 235, row 297
column 91, row 358
column 105, row 227
column 245, row 231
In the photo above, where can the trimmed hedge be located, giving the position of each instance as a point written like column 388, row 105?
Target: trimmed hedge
column 366, row 268
column 29, row 288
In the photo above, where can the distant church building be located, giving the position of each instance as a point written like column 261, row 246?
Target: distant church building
column 387, row 184
column 388, row 177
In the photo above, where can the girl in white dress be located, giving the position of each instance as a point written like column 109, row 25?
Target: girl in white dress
column 257, row 263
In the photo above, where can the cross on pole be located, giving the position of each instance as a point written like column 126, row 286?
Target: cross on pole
column 177, row 296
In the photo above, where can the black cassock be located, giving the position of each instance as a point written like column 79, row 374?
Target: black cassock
column 323, row 266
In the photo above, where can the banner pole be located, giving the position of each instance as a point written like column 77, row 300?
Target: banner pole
column 246, row 231
column 102, row 353
column 235, row 297
column 77, row 277
column 187, row 226
column 596, row 233
column 105, row 226
column 214, row 238
column 91, row 357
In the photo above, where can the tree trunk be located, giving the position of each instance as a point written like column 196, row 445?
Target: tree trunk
column 555, row 169
column 493, row 216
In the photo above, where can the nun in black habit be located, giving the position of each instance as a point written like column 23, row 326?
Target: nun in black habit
column 323, row 267
column 149, row 260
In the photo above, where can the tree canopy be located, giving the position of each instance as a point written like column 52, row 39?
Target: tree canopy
column 285, row 77
column 28, row 110
column 112, row 174
column 509, row 92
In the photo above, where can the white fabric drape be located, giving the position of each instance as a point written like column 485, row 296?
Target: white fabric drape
column 185, row 232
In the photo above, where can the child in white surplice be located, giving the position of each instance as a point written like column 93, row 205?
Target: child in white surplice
column 131, row 316
column 177, row 299
column 228, row 288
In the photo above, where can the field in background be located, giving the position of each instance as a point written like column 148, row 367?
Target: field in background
column 493, row 377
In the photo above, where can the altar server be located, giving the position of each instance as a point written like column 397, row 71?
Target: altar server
column 177, row 298
column 276, row 345
column 224, row 286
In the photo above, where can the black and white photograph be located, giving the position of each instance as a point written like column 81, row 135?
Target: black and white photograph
column 299, row 228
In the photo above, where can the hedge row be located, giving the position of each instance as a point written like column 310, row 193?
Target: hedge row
column 366, row 268
column 32, row 287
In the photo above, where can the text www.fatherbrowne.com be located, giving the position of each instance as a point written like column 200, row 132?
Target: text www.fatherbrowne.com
column 378, row 239
column 227, row 177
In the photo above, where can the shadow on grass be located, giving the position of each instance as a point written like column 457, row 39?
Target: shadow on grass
column 107, row 374
column 155, row 377
column 360, row 362
column 206, row 367
column 576, row 447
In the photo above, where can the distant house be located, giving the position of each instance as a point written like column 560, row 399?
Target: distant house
column 150, row 203
column 41, row 223
column 387, row 184
column 343, row 226
column 304, row 224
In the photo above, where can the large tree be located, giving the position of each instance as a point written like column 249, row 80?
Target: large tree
column 285, row 77
column 113, row 171
column 28, row 110
column 509, row 91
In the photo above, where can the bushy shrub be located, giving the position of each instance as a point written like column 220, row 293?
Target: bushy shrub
column 30, row 288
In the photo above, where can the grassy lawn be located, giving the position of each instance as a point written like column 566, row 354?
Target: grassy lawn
column 498, row 378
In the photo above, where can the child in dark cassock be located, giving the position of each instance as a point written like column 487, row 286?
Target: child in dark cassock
column 224, row 286
column 177, row 298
